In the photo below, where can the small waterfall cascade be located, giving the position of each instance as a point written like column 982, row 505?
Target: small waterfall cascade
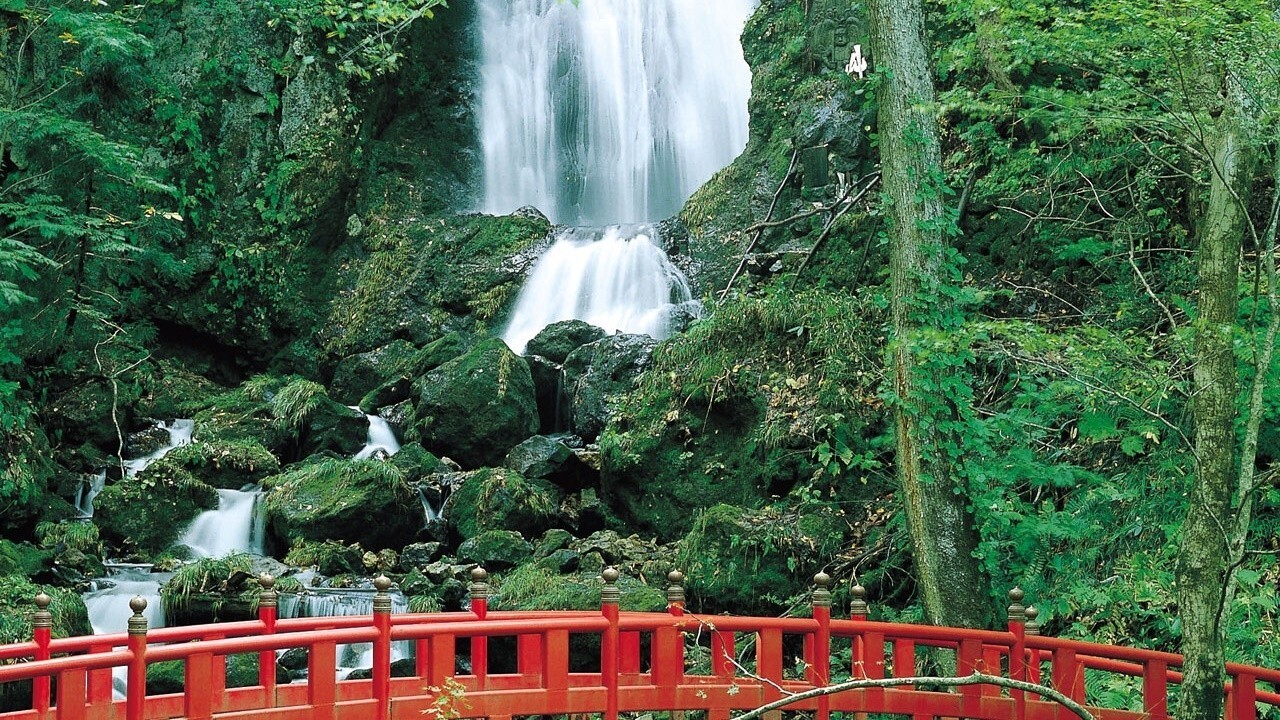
column 88, row 490
column 332, row 602
column 381, row 438
column 237, row 525
column 607, row 113
column 179, row 434
column 616, row 278
column 108, row 603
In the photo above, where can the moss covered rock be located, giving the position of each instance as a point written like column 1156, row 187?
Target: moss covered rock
column 147, row 512
column 496, row 549
column 598, row 374
column 758, row 561
column 477, row 407
column 557, row 340
column 501, row 499
column 364, row 501
column 226, row 462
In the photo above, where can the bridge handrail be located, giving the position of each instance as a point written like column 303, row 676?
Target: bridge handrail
column 543, row 684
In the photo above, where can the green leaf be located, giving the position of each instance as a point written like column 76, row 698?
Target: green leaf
column 1097, row 426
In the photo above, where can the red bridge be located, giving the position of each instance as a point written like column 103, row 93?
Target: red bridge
column 715, row 664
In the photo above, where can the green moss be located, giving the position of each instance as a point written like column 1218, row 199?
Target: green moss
column 758, row 561
column 328, row 557
column 226, row 462
column 147, row 512
column 502, row 499
column 200, row 590
column 17, row 603
column 531, row 587
column 364, row 501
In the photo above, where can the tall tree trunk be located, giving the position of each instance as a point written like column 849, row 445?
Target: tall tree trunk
column 943, row 536
column 1204, row 565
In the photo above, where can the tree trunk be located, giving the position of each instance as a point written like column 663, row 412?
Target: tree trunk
column 943, row 536
column 1204, row 564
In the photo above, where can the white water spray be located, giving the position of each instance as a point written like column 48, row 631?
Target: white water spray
column 617, row 279
column 609, row 111
column 238, row 525
column 179, row 434
column 381, row 438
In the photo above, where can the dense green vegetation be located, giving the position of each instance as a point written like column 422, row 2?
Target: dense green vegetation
column 250, row 214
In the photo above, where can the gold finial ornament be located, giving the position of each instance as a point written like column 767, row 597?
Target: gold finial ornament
column 610, row 594
column 675, row 588
column 138, row 622
column 479, row 587
column 42, row 618
column 1033, row 627
column 1017, row 612
column 821, row 590
column 267, row 596
column 859, row 605
column 382, row 600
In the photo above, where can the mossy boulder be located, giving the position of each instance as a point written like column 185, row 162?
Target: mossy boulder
column 496, row 549
column 501, row 499
column 477, row 407
column 226, row 462
column 557, row 340
column 364, row 501
column 397, row 386
column 758, row 561
column 545, row 457
column 598, row 373
column 147, row 512
column 531, row 587
column 17, row 604
column 328, row 557
column 358, row 374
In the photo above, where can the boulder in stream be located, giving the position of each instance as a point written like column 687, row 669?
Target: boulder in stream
column 598, row 373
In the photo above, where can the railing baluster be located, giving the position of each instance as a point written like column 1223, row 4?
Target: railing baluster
column 819, row 668
column 197, row 687
column 382, row 648
column 609, row 642
column 1244, row 695
column 968, row 658
column 268, row 612
column 769, row 665
column 1033, row 654
column 42, row 633
column 71, row 695
column 1068, row 674
column 904, row 658
column 479, row 590
column 136, row 690
column 1155, row 689
column 322, row 668
column 101, row 681
column 1017, row 651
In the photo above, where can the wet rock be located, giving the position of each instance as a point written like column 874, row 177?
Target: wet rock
column 418, row 555
column 597, row 374
column 547, row 457
column 557, row 340
column 366, row 502
column 478, row 406
column 357, row 375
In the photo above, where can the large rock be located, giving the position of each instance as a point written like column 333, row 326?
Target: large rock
column 500, row 499
column 545, row 457
column 358, row 374
column 557, row 340
column 364, row 501
column 396, row 383
column 598, row 373
column 496, row 549
column 477, row 407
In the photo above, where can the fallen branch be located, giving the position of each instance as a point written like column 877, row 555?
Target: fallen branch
column 795, row 154
column 831, row 221
column 976, row 678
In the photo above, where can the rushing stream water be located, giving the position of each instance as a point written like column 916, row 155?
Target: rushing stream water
column 607, row 114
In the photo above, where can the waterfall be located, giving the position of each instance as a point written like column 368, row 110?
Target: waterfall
column 89, row 488
column 108, row 604
column 609, row 111
column 615, row 278
column 238, row 525
column 179, row 434
column 325, row 602
column 381, row 437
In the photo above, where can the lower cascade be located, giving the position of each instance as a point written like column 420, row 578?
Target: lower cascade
column 616, row 278
column 237, row 525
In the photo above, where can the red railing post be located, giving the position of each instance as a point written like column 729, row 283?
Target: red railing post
column 1155, row 689
column 42, row 633
column 382, row 647
column 136, row 688
column 479, row 589
column 268, row 612
column 1017, row 651
column 819, row 669
column 1032, row 629
column 610, row 596
column 1244, row 696
column 858, row 610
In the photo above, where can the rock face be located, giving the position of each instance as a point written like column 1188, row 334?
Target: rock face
column 544, row 457
column 358, row 374
column 500, row 499
column 148, row 511
column 557, row 340
column 477, row 407
column 598, row 373
column 366, row 501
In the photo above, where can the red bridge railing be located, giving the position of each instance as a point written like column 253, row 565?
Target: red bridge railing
column 519, row 663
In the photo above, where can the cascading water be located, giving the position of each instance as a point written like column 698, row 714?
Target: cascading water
column 108, row 604
column 601, row 112
column 381, row 438
column 179, row 434
column 324, row 602
column 88, row 490
column 616, row 279
column 238, row 525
